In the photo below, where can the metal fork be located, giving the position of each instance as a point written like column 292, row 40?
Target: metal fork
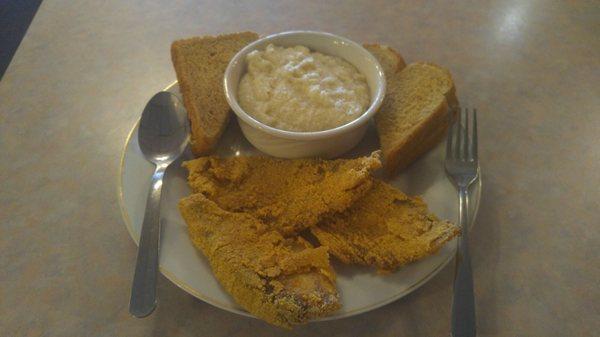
column 462, row 167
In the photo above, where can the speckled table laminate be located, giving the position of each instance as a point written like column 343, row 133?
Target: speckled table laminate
column 85, row 70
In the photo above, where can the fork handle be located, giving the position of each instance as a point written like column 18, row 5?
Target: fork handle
column 463, row 302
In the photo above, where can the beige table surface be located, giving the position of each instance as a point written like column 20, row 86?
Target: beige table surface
column 85, row 70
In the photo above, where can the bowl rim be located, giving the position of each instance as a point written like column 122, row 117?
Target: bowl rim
column 304, row 135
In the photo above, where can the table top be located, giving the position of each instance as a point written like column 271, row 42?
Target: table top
column 85, row 70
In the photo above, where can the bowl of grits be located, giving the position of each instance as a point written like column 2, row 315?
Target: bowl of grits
column 303, row 93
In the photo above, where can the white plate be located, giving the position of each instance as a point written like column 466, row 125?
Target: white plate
column 361, row 289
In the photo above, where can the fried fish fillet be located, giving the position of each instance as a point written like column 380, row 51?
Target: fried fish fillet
column 284, row 281
column 385, row 229
column 288, row 195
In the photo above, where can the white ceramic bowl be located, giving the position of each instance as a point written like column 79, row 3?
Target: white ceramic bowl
column 290, row 144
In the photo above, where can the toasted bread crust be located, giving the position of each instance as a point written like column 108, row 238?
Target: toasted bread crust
column 199, row 64
column 390, row 59
column 421, row 90
column 424, row 137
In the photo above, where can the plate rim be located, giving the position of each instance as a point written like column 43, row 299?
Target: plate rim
column 185, row 287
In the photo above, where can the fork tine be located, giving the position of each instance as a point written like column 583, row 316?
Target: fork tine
column 456, row 138
column 465, row 144
column 450, row 139
column 473, row 142
column 458, row 151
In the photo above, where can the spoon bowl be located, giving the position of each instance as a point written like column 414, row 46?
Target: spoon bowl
column 163, row 133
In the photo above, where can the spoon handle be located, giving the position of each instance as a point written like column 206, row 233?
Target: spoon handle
column 143, row 290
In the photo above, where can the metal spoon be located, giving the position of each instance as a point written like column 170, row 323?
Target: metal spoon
column 162, row 136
